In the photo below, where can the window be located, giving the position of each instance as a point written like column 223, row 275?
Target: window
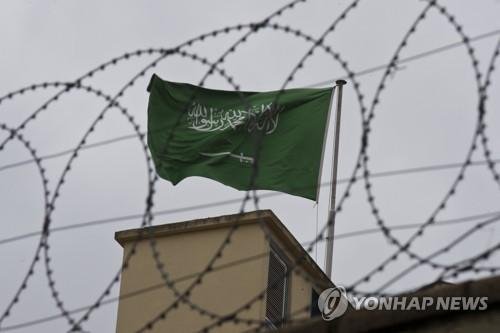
column 314, row 304
column 277, row 285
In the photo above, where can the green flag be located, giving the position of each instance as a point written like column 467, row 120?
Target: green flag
column 193, row 131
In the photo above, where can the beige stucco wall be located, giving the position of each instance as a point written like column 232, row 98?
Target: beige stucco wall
column 239, row 275
column 300, row 297
column 186, row 253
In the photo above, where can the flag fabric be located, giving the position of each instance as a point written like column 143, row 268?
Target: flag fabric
column 193, row 131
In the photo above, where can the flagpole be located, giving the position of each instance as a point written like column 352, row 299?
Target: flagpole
column 331, row 213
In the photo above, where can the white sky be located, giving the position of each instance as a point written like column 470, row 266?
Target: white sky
column 427, row 116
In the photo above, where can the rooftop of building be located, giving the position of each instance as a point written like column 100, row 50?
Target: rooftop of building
column 267, row 219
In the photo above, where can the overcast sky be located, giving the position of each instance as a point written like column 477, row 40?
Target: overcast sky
column 427, row 116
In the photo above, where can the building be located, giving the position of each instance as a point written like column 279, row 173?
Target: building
column 452, row 318
column 261, row 258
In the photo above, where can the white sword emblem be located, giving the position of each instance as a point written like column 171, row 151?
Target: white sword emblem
column 242, row 158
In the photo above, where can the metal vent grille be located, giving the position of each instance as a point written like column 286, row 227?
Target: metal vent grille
column 276, row 291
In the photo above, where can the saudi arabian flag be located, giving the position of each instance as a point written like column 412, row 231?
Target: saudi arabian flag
column 221, row 135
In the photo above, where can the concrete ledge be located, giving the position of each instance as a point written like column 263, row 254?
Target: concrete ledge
column 193, row 225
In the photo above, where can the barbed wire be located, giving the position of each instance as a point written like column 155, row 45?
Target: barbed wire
column 361, row 171
column 114, row 219
column 184, row 296
column 404, row 248
column 284, row 28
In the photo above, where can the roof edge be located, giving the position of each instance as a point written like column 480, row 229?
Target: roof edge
column 276, row 228
column 125, row 236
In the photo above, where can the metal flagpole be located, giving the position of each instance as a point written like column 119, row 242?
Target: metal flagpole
column 331, row 213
